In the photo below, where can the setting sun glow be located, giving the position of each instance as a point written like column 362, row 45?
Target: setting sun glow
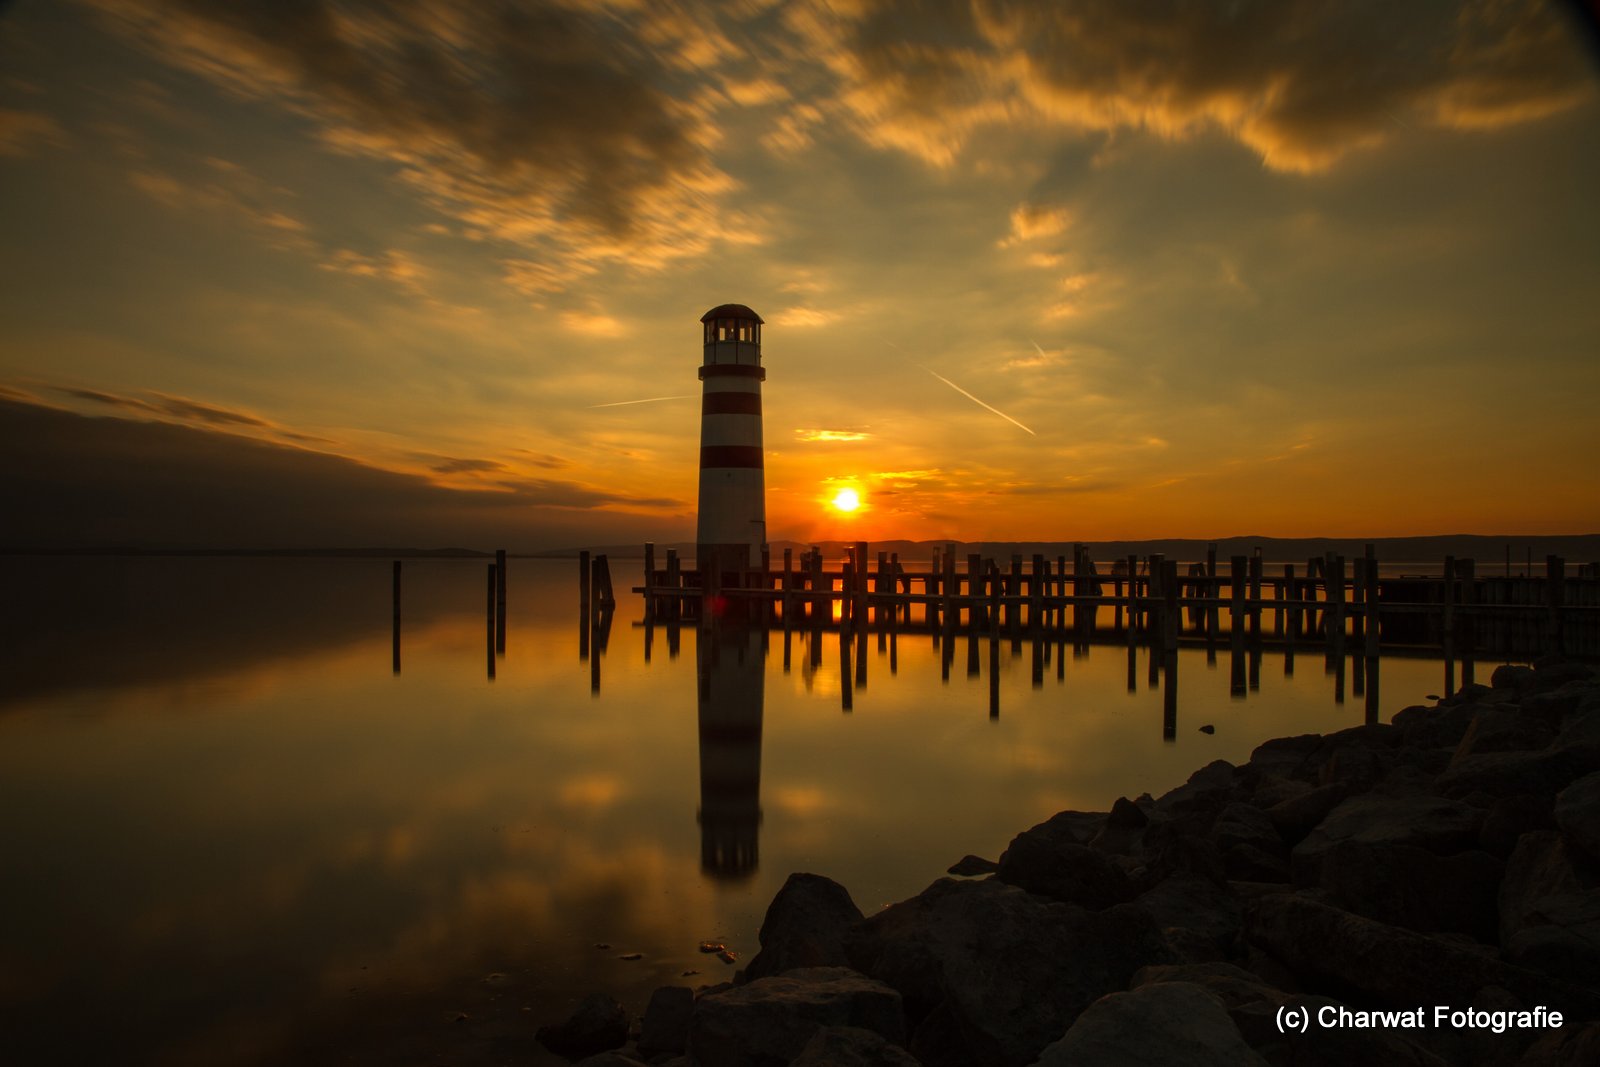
column 847, row 500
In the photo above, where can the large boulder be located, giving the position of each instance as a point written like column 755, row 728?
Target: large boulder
column 768, row 1022
column 598, row 1024
column 991, row 973
column 1200, row 919
column 1411, row 887
column 1504, row 774
column 1296, row 816
column 1253, row 1006
column 804, row 927
column 1165, row 1024
column 665, row 1028
column 1577, row 812
column 1344, row 955
column 1042, row 861
column 1429, row 823
column 851, row 1046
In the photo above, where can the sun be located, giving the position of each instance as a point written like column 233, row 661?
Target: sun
column 846, row 500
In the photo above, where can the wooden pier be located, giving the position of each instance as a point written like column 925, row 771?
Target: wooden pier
column 1346, row 603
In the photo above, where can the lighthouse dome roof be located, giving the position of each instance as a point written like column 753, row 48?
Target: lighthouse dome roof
column 731, row 311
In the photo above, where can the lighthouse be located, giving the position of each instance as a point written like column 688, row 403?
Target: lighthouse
column 733, row 490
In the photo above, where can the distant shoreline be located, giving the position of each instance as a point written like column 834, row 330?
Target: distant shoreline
column 1487, row 549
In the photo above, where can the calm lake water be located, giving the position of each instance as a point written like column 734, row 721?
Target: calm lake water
column 233, row 834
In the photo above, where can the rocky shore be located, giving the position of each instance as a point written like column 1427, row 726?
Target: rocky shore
column 1417, row 892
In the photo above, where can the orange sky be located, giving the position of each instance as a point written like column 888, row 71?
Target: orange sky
column 390, row 275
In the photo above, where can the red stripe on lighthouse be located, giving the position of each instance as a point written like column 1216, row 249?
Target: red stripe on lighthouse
column 746, row 456
column 731, row 404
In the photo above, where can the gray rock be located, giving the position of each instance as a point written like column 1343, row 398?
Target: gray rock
column 1429, row 823
column 611, row 1059
column 1246, row 863
column 1043, row 862
column 1561, row 936
column 1571, row 1046
column 804, row 927
column 666, row 1021
column 1502, row 728
column 850, row 1046
column 1245, row 824
column 597, row 1024
column 1508, row 818
column 1504, row 774
column 1166, row 1024
column 1539, row 867
column 1404, row 885
column 1252, row 1004
column 970, row 866
column 767, row 1022
column 1332, row 950
column 1209, row 913
column 991, row 974
column 1283, row 755
column 1512, row 676
column 1296, row 817
column 1577, row 812
column 1207, row 789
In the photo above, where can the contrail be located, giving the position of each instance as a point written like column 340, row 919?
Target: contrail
column 1037, row 349
column 975, row 400
column 646, row 400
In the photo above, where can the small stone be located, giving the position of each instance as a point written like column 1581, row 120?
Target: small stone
column 631, row 956
column 461, row 1017
column 727, row 955
column 1208, row 729
column 712, row 946
column 601, row 945
column 686, row 974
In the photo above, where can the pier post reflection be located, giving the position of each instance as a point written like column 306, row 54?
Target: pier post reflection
column 731, row 680
column 396, row 634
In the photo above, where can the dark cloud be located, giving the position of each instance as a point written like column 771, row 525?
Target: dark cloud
column 111, row 400
column 75, row 481
column 454, row 465
column 534, row 122
column 1299, row 81
column 198, row 412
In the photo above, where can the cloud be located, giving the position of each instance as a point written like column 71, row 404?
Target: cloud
column 1030, row 221
column 1299, row 82
column 831, row 435
column 230, row 191
column 455, row 465
column 593, row 323
column 392, row 265
column 542, row 125
column 178, row 407
column 803, row 317
column 23, row 131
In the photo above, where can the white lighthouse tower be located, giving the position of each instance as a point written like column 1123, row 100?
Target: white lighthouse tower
column 733, row 489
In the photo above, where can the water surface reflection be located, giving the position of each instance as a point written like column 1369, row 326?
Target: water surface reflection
column 235, row 834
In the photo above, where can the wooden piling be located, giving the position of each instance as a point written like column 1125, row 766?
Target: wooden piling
column 396, row 634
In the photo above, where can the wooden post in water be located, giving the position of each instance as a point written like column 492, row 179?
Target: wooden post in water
column 1255, row 593
column 1466, row 570
column 1169, row 651
column 1372, row 630
column 1213, row 591
column 489, row 618
column 1447, row 625
column 786, row 588
column 500, row 601
column 1555, row 576
column 1036, row 593
column 649, row 580
column 1154, row 625
column 675, row 583
column 397, row 616
column 1238, row 568
column 583, row 582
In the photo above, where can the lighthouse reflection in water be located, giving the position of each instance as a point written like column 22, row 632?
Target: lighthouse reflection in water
column 731, row 675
